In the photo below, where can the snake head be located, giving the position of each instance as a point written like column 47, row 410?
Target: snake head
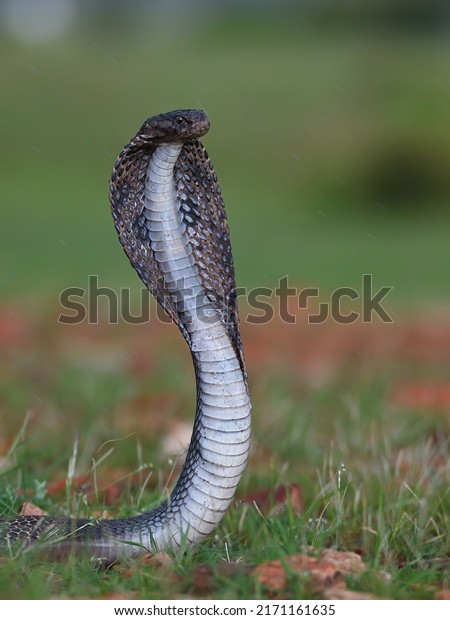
column 175, row 126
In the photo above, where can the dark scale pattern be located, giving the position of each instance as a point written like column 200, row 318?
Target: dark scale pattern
column 203, row 211
column 127, row 188
column 59, row 537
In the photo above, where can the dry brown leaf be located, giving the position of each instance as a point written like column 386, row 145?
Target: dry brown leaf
column 126, row 571
column 14, row 328
column 205, row 575
column 272, row 575
column 442, row 595
column 346, row 561
column 30, row 510
column 322, row 572
column 111, row 484
column 274, row 501
column 422, row 395
column 203, row 579
column 59, row 486
column 24, row 492
column 159, row 560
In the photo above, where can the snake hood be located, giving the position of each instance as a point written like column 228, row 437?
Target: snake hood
column 201, row 213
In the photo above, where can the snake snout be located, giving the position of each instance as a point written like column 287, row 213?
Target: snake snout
column 202, row 123
column 190, row 124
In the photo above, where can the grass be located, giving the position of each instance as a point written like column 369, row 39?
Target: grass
column 374, row 477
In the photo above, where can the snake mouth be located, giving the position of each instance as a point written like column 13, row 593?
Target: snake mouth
column 201, row 123
column 202, row 126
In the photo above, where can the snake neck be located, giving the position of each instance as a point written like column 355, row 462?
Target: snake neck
column 220, row 441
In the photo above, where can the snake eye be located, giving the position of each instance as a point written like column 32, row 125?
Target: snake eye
column 179, row 120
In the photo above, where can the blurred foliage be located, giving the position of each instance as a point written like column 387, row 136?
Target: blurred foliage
column 328, row 136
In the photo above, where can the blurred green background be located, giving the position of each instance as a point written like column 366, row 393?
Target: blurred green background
column 329, row 134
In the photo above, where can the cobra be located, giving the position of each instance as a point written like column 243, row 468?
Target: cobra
column 170, row 218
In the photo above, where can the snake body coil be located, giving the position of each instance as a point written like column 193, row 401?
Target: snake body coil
column 170, row 218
